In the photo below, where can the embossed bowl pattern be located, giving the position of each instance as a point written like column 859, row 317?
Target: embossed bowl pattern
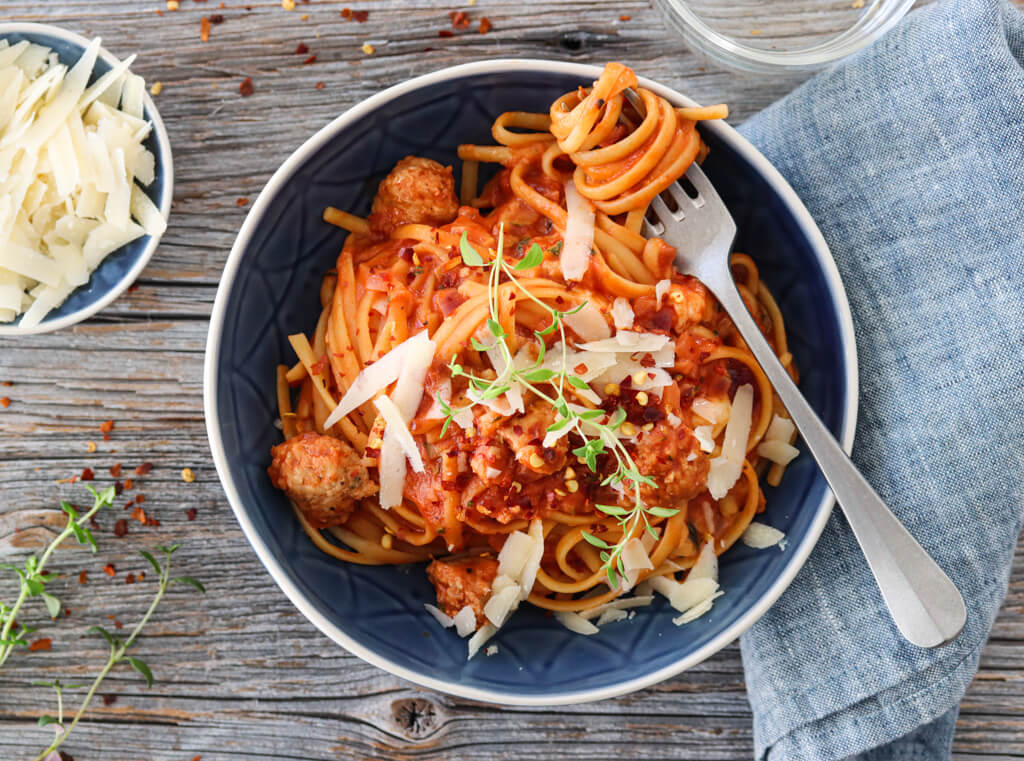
column 268, row 291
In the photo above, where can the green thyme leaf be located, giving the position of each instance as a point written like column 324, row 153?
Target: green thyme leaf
column 577, row 382
column 495, row 327
column 71, row 511
column 612, row 510
column 142, row 668
column 470, row 256
column 52, row 605
column 195, row 583
column 46, row 720
column 662, row 512
column 152, row 561
column 533, row 258
column 539, row 376
column 591, row 539
column 111, row 640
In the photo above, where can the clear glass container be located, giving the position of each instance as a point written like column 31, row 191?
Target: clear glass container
column 780, row 36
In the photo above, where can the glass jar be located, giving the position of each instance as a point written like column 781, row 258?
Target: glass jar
column 780, row 36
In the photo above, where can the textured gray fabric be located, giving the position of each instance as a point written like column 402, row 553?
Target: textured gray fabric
column 909, row 157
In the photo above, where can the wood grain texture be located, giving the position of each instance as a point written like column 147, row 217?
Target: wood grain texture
column 241, row 674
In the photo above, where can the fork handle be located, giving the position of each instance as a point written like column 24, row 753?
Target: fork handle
column 924, row 603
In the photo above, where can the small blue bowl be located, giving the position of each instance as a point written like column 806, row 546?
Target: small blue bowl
column 120, row 268
column 377, row 613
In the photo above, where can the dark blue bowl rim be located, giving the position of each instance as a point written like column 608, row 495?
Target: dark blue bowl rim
column 164, row 160
column 798, row 552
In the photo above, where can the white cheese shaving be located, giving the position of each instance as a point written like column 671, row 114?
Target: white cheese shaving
column 760, row 535
column 629, row 341
column 69, row 163
column 725, row 469
column 697, row 611
column 778, row 451
column 465, row 621
column 393, row 418
column 660, row 290
column 703, row 434
column 491, row 650
column 706, row 566
column 579, row 234
column 574, row 622
column 621, row 603
column 483, row 634
column 444, row 620
column 622, row 313
column 515, row 553
column 376, row 377
column 588, row 323
column 714, row 411
column 611, row 616
column 500, row 605
column 780, row 429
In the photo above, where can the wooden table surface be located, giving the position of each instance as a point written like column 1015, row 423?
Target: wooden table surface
column 240, row 673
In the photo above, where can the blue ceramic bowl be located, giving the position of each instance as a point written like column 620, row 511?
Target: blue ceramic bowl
column 267, row 292
column 122, row 267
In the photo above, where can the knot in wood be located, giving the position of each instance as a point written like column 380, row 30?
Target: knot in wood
column 415, row 717
column 578, row 40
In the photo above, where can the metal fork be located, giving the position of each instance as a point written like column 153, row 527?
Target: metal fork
column 924, row 603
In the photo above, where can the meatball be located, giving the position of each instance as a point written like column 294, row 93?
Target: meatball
column 417, row 191
column 673, row 458
column 463, row 582
column 524, row 435
column 322, row 475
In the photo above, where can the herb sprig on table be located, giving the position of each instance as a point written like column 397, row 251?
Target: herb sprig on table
column 33, row 584
column 597, row 430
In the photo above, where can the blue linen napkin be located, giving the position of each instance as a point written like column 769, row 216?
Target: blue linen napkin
column 909, row 156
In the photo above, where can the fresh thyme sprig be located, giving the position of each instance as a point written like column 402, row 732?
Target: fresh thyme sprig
column 599, row 436
column 118, row 651
column 32, row 578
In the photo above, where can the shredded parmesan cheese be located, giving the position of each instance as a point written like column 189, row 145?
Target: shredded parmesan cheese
column 725, row 469
column 69, row 163
column 574, row 622
column 759, row 536
column 778, row 451
column 622, row 313
column 579, row 233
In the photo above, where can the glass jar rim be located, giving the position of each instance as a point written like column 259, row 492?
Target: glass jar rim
column 875, row 22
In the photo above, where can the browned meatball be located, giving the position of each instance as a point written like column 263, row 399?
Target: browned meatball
column 463, row 582
column 664, row 454
column 322, row 475
column 417, row 191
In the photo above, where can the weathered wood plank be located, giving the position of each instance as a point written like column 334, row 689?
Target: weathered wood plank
column 240, row 672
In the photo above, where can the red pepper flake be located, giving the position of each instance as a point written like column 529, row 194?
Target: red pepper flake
column 311, row 59
column 301, row 49
column 129, row 579
column 107, row 427
column 241, row 201
column 204, row 30
column 360, row 16
column 140, row 498
column 191, row 513
column 83, row 577
column 197, row 758
column 142, row 576
column 320, row 85
column 87, row 474
column 217, row 18
column 246, row 88
column 140, row 515
column 120, row 527
column 128, row 505
column 625, row 17
column 446, row 33
column 40, row 644
column 115, row 470
column 128, row 484
column 143, row 469
column 460, row 19
column 118, row 488
column 485, row 25
column 109, row 570
column 6, row 384
column 5, row 402
column 109, row 700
